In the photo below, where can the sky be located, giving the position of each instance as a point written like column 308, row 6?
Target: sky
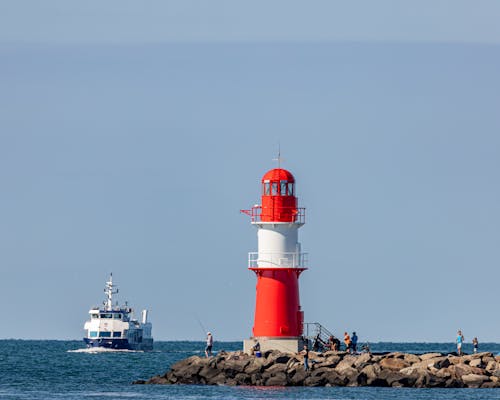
column 132, row 133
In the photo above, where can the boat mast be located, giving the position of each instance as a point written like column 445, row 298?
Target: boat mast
column 109, row 293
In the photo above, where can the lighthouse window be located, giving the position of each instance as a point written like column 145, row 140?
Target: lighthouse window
column 290, row 189
column 267, row 188
column 283, row 187
column 275, row 189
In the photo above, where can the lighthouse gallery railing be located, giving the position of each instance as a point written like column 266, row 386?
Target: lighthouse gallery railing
column 277, row 260
column 256, row 211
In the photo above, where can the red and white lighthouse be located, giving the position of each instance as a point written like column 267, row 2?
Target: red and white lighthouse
column 278, row 263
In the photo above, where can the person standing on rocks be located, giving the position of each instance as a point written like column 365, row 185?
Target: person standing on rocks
column 305, row 352
column 354, row 342
column 347, row 342
column 210, row 343
column 475, row 343
column 460, row 340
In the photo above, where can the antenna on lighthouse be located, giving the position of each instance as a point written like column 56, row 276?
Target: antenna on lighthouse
column 279, row 159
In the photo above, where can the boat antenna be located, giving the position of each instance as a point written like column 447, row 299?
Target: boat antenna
column 109, row 293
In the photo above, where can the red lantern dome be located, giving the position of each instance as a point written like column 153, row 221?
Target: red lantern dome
column 279, row 203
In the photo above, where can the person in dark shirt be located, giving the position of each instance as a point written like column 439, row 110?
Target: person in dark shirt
column 354, row 342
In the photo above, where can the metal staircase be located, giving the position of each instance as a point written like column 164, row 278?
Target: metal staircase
column 313, row 330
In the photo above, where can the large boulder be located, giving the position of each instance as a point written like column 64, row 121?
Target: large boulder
column 278, row 379
column 370, row 373
column 411, row 358
column 349, row 375
column 363, row 360
column 428, row 356
column 297, row 377
column 474, row 380
column 394, row 364
column 208, row 373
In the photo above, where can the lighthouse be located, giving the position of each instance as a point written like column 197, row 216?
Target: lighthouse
column 277, row 264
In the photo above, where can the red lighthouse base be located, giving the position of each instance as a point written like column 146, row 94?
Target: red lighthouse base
column 277, row 308
column 278, row 323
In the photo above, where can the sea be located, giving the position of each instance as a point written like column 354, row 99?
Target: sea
column 53, row 369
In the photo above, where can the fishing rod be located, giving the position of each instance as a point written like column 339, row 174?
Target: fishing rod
column 201, row 326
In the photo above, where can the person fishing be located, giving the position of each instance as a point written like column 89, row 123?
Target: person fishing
column 210, row 343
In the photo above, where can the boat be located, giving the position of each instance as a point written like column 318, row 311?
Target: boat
column 114, row 327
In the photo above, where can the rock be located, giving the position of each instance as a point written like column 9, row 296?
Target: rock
column 315, row 381
column 455, row 360
column 188, row 367
column 279, row 379
column 440, row 362
column 330, row 361
column 157, row 380
column 281, row 358
column 276, row 369
column 220, row 379
column 370, row 373
column 443, row 373
column 411, row 358
column 347, row 362
column 334, row 379
column 396, row 354
column 350, row 376
column 490, row 385
column 474, row 380
column 208, row 373
column 394, row 364
column 434, row 362
column 335, row 369
column 233, row 367
column 428, row 356
column 362, row 360
column 255, row 365
column 142, row 381
column 392, row 378
column 298, row 377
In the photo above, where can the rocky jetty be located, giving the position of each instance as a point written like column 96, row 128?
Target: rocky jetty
column 274, row 368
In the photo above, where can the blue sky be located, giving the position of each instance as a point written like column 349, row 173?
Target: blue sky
column 132, row 134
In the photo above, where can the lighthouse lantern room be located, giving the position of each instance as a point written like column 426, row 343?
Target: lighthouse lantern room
column 278, row 263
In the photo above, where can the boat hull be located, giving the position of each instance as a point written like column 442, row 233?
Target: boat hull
column 119, row 344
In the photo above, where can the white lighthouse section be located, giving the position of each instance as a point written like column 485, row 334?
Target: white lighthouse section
column 278, row 246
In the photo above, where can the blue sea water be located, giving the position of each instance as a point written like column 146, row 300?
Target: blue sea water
column 41, row 369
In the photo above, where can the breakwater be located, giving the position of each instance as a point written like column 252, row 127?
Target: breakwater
column 397, row 369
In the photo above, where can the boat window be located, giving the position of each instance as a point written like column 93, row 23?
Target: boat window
column 107, row 316
column 117, row 316
column 93, row 334
column 267, row 188
column 275, row 188
column 290, row 189
column 283, row 185
column 105, row 334
column 117, row 334
column 94, row 316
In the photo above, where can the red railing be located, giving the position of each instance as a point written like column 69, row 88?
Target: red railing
column 256, row 211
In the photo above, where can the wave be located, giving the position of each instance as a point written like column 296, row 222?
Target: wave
column 97, row 350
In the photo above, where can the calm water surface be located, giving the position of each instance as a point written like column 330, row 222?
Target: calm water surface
column 63, row 370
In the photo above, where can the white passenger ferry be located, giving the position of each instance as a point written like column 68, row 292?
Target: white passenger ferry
column 113, row 327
